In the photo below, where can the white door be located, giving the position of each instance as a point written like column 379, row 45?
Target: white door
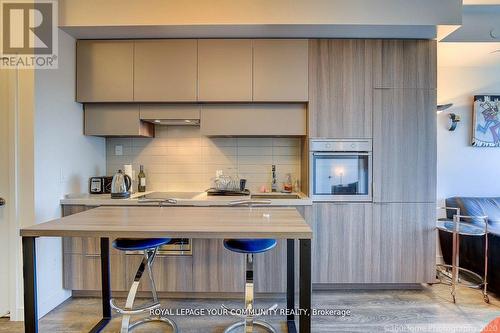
column 8, row 87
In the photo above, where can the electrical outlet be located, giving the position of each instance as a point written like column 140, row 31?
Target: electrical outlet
column 118, row 150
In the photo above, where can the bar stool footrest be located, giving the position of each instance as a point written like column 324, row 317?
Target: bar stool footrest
column 155, row 319
column 259, row 323
column 134, row 311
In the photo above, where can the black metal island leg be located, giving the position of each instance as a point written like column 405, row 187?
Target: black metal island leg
column 305, row 286
column 29, row 283
column 105, row 287
column 290, row 284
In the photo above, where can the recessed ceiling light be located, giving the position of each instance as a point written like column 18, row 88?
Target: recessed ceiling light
column 157, row 121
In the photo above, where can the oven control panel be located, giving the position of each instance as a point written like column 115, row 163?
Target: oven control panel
column 341, row 145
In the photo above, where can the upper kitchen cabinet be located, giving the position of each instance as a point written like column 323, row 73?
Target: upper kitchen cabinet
column 105, row 71
column 253, row 119
column 404, row 145
column 280, row 70
column 224, row 70
column 116, row 120
column 405, row 64
column 165, row 70
column 340, row 88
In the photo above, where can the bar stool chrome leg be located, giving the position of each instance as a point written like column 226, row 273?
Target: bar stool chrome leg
column 249, row 319
column 129, row 310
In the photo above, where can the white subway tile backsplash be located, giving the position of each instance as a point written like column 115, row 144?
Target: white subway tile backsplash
column 255, row 142
column 179, row 158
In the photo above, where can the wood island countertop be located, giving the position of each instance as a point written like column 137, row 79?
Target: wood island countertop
column 178, row 222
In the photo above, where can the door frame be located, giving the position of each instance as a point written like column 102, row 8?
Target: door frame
column 18, row 94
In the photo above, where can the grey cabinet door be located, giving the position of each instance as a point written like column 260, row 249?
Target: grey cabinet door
column 165, row 70
column 280, row 70
column 405, row 64
column 224, row 70
column 115, row 120
column 254, row 119
column 104, row 71
column 342, row 245
column 404, row 145
column 404, row 239
column 340, row 88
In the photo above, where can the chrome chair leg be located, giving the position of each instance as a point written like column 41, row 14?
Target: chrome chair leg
column 129, row 310
column 485, row 287
column 249, row 320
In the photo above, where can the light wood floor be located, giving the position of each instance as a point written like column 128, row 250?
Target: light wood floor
column 427, row 310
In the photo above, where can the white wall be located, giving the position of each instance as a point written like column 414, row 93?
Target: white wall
column 64, row 159
column 466, row 69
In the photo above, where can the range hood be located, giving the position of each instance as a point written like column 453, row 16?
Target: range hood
column 171, row 114
column 174, row 122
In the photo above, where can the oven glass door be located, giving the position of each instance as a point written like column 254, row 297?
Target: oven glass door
column 341, row 176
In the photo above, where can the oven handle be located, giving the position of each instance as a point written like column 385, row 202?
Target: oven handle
column 364, row 153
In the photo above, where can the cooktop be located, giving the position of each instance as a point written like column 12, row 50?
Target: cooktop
column 170, row 195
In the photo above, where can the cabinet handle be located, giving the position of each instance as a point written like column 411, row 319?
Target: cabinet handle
column 92, row 255
column 2, row 202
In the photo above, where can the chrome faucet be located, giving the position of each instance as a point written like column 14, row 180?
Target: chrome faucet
column 274, row 186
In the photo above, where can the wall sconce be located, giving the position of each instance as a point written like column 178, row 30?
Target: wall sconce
column 454, row 118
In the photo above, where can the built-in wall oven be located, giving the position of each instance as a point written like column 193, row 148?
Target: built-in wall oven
column 341, row 169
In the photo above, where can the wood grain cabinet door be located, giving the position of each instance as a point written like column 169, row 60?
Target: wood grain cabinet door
column 405, row 239
column 216, row 269
column 165, row 70
column 404, row 145
column 340, row 88
column 224, row 70
column 104, row 71
column 405, row 64
column 270, row 269
column 171, row 273
column 280, row 70
column 342, row 244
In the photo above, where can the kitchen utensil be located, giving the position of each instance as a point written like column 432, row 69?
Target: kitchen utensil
column 120, row 186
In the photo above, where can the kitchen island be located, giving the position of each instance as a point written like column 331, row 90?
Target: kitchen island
column 195, row 222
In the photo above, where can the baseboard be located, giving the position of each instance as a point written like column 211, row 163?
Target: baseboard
column 176, row 295
column 18, row 315
column 366, row 286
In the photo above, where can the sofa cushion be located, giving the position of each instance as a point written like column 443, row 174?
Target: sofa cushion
column 477, row 207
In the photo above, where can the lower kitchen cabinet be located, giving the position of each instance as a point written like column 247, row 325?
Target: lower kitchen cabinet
column 390, row 243
column 270, row 269
column 216, row 269
column 171, row 273
column 341, row 246
column 83, row 272
column 404, row 240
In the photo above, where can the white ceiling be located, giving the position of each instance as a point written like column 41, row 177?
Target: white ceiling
column 469, row 54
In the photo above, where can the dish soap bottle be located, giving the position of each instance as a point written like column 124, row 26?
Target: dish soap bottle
column 142, row 180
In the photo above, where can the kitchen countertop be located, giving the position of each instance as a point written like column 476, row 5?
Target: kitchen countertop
column 190, row 222
column 200, row 199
